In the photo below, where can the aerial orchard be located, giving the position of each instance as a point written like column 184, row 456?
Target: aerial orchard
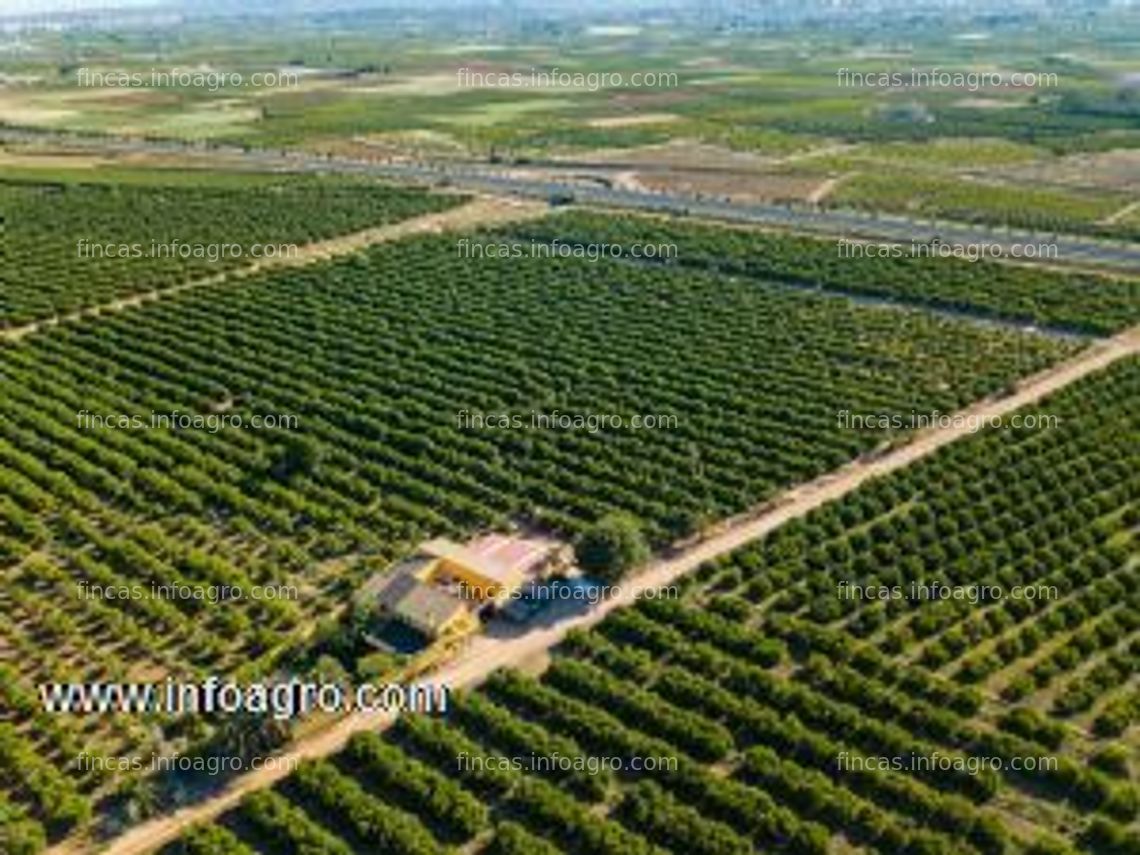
column 71, row 245
column 382, row 358
column 763, row 715
column 1019, row 295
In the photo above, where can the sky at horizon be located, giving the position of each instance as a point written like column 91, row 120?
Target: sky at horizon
column 21, row 7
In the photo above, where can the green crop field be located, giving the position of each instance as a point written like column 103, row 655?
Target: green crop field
column 1045, row 210
column 75, row 245
column 988, row 289
column 764, row 680
column 384, row 359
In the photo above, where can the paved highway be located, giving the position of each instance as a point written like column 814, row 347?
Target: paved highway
column 1071, row 249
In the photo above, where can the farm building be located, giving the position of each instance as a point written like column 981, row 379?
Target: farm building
column 438, row 590
column 423, row 606
column 479, row 572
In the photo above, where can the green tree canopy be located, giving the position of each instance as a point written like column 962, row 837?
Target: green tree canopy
column 612, row 546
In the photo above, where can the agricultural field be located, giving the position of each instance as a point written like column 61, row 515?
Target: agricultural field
column 79, row 242
column 383, row 358
column 986, row 289
column 976, row 150
column 764, row 680
column 771, row 92
column 1047, row 210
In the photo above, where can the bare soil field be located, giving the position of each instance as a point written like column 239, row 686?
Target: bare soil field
column 746, row 187
column 61, row 160
column 632, row 120
column 681, row 155
column 989, row 104
column 1111, row 170
column 16, row 111
column 692, row 168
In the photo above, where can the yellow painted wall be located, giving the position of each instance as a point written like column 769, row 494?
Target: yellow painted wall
column 470, row 576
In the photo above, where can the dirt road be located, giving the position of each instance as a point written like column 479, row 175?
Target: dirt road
column 1115, row 217
column 482, row 211
column 827, row 187
column 484, row 655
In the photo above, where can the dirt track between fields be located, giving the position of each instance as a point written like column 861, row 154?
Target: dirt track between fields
column 828, row 187
column 482, row 211
column 1114, row 218
column 484, row 655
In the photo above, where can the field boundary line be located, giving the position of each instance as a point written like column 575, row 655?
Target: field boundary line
column 483, row 210
column 485, row 654
column 1116, row 216
column 828, row 186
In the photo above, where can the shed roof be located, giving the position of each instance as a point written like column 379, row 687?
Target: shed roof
column 488, row 566
column 429, row 607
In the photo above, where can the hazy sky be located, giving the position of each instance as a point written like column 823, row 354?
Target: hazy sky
column 16, row 7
